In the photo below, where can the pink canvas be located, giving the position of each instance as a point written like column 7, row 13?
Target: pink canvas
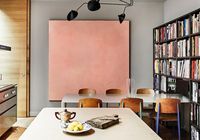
column 87, row 54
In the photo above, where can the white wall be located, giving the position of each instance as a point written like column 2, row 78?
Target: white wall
column 144, row 16
column 176, row 8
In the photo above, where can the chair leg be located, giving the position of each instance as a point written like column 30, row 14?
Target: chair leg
column 118, row 104
column 178, row 121
column 107, row 105
column 157, row 119
column 63, row 104
column 140, row 113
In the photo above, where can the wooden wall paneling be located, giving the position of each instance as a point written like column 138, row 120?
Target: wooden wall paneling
column 14, row 65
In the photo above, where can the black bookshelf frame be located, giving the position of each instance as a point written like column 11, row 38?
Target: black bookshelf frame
column 190, row 58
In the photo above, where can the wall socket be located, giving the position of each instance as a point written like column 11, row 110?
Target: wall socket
column 0, row 76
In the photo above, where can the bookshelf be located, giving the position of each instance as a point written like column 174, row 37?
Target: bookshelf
column 176, row 62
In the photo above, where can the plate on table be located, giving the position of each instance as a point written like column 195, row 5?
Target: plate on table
column 76, row 127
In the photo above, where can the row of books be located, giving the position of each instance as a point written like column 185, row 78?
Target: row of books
column 165, row 50
column 194, row 133
column 183, row 48
column 163, row 85
column 166, row 67
column 183, row 68
column 179, row 69
column 162, row 34
column 156, row 66
column 183, row 27
column 156, row 35
column 166, row 84
column 196, row 92
column 196, row 23
column 171, row 31
column 163, row 67
column 196, row 46
column 156, row 82
column 195, row 114
column 171, row 85
column 171, row 67
column 166, row 33
column 195, row 73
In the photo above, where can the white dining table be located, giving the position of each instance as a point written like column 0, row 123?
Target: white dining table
column 147, row 98
column 46, row 127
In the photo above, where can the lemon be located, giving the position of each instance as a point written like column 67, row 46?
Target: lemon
column 75, row 126
column 80, row 126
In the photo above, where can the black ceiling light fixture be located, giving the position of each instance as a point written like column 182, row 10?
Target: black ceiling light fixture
column 122, row 16
column 94, row 5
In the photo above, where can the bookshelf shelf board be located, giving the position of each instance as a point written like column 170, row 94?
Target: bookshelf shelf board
column 195, row 80
column 195, row 57
column 163, row 58
column 188, row 57
column 183, row 37
column 163, row 91
column 196, row 126
column 196, row 103
column 195, row 34
column 166, row 41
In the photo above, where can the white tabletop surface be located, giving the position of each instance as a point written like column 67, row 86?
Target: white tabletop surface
column 151, row 98
column 46, row 127
column 147, row 98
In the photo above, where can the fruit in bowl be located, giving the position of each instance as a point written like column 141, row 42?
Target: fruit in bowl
column 75, row 126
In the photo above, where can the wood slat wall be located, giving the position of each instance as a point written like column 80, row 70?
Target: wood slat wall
column 14, row 65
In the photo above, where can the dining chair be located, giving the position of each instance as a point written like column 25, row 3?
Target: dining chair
column 135, row 104
column 145, row 91
column 90, row 102
column 168, row 111
column 113, row 92
column 147, row 108
column 87, row 92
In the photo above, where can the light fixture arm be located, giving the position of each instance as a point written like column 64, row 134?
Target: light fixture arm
column 81, row 6
column 126, row 4
column 125, row 9
column 130, row 4
column 120, row 4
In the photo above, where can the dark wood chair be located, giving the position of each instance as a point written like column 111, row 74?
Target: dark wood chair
column 87, row 92
column 147, row 108
column 135, row 104
column 145, row 91
column 168, row 110
column 113, row 92
column 90, row 102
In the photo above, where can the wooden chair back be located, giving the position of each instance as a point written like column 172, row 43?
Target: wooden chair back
column 113, row 91
column 90, row 102
column 87, row 92
column 167, row 105
column 145, row 91
column 135, row 104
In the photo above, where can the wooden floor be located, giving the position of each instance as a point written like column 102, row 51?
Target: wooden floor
column 166, row 133
column 13, row 134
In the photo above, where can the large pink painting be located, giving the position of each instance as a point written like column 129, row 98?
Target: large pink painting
column 87, row 54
